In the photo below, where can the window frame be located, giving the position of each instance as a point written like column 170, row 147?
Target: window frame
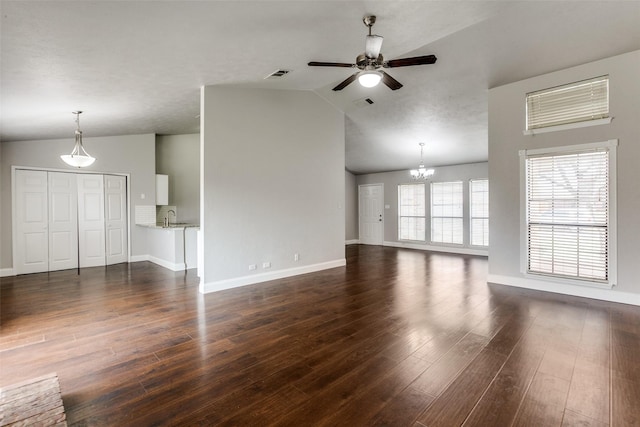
column 472, row 217
column 577, row 121
column 461, row 217
column 424, row 208
column 611, row 146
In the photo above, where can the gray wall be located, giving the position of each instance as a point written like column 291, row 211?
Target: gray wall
column 133, row 154
column 506, row 123
column 272, row 183
column 179, row 157
column 351, row 231
column 391, row 180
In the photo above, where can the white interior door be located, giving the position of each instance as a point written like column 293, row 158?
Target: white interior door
column 371, row 208
column 63, row 221
column 115, row 200
column 91, row 230
column 31, row 248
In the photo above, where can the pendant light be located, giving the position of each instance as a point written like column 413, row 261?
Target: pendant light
column 79, row 158
column 422, row 172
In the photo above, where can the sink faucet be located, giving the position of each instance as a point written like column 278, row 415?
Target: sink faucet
column 166, row 218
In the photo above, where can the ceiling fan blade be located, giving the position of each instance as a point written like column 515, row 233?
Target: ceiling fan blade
column 392, row 83
column 405, row 62
column 346, row 82
column 330, row 64
column 372, row 46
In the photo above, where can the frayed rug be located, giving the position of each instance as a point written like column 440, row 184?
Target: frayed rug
column 35, row 402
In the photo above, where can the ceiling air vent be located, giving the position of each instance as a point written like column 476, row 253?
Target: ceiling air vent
column 278, row 74
column 363, row 102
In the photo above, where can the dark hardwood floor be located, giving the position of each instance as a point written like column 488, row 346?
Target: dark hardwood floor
column 396, row 338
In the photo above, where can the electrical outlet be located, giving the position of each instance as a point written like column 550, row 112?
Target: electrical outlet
column 252, row 267
column 296, row 257
column 266, row 264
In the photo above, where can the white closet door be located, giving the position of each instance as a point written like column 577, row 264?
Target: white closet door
column 31, row 254
column 91, row 237
column 63, row 221
column 115, row 198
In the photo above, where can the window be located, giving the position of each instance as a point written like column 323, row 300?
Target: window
column 446, row 212
column 568, row 213
column 479, row 211
column 583, row 101
column 411, row 209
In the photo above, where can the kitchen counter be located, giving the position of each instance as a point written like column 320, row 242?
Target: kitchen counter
column 173, row 247
column 176, row 226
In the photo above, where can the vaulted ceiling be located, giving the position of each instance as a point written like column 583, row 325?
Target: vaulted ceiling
column 137, row 66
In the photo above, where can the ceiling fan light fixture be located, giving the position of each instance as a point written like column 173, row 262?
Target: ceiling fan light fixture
column 369, row 78
column 79, row 158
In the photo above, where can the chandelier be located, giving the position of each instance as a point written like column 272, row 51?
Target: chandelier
column 422, row 172
column 79, row 158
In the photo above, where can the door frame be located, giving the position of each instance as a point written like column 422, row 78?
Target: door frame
column 33, row 168
column 381, row 185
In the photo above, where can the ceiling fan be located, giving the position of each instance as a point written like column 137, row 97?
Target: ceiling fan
column 371, row 62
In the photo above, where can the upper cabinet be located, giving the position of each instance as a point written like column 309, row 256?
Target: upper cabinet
column 162, row 190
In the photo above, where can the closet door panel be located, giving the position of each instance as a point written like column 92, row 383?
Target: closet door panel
column 31, row 247
column 115, row 197
column 63, row 221
column 91, row 237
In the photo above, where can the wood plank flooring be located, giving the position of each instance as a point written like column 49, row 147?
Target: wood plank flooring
column 396, row 338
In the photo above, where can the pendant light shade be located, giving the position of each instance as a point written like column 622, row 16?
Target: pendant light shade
column 79, row 158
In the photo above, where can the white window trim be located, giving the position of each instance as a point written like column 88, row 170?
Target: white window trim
column 611, row 145
column 568, row 126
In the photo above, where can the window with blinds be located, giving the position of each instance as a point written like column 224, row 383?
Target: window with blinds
column 568, row 215
column 572, row 103
column 446, row 212
column 479, row 211
column 411, row 212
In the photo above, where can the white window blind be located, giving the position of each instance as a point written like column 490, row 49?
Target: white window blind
column 575, row 102
column 411, row 210
column 446, row 212
column 568, row 215
column 479, row 211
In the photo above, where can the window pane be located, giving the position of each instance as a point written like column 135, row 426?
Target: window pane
column 479, row 212
column 571, row 103
column 567, row 215
column 411, row 212
column 446, row 212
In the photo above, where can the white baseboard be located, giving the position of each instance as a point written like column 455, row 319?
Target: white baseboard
column 352, row 242
column 566, row 289
column 138, row 258
column 265, row 277
column 5, row 272
column 167, row 264
column 436, row 248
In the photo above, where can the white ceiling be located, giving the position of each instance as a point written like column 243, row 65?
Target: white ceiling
column 137, row 66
